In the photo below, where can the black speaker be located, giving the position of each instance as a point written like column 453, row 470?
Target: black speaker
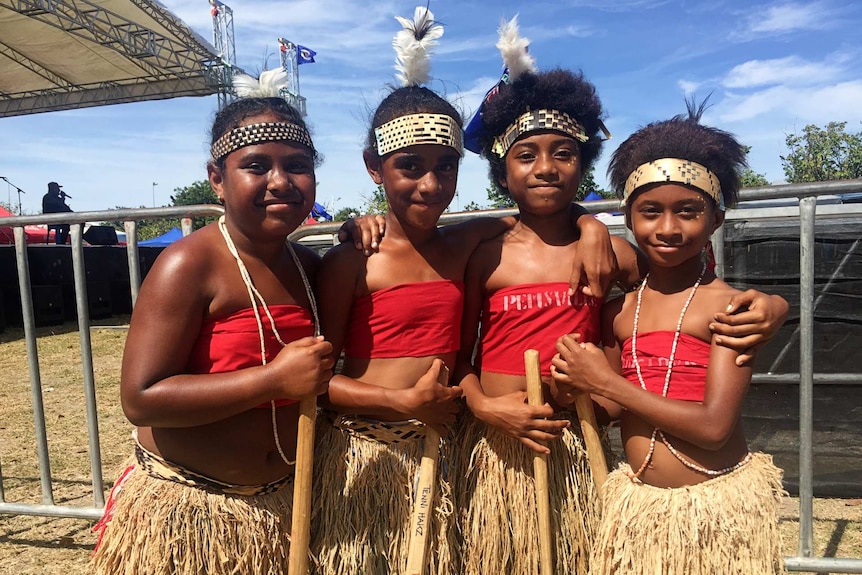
column 47, row 304
column 101, row 236
column 99, row 296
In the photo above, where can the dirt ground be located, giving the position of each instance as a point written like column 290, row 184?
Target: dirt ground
column 52, row 546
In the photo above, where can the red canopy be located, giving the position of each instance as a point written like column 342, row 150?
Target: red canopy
column 34, row 234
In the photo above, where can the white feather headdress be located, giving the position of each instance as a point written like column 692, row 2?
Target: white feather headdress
column 269, row 85
column 513, row 49
column 413, row 46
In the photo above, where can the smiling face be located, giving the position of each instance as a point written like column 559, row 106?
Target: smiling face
column 267, row 188
column 543, row 172
column 419, row 182
column 672, row 223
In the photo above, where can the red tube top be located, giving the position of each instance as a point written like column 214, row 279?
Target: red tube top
column 406, row 320
column 233, row 342
column 688, row 378
column 533, row 316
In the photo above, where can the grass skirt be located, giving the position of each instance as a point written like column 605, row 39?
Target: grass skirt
column 497, row 503
column 726, row 525
column 363, row 493
column 161, row 527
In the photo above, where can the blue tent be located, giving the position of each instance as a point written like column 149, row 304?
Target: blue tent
column 165, row 239
column 592, row 197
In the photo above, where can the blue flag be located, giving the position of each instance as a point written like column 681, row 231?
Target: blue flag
column 304, row 55
column 475, row 130
column 318, row 211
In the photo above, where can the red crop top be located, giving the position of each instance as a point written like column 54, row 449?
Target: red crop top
column 533, row 316
column 407, row 320
column 688, row 379
column 233, row 342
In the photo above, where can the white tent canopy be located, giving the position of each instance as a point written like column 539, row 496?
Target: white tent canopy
column 65, row 54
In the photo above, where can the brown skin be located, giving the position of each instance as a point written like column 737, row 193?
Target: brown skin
column 208, row 422
column 420, row 182
column 672, row 223
column 543, row 175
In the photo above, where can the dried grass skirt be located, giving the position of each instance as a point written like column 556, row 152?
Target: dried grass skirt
column 726, row 525
column 496, row 499
column 363, row 494
column 162, row 527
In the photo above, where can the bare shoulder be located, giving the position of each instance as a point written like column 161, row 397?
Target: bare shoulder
column 342, row 265
column 190, row 257
column 343, row 255
column 719, row 293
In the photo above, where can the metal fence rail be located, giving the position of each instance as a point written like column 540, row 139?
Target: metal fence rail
column 76, row 220
column 806, row 211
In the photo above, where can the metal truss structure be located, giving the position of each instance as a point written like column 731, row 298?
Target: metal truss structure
column 223, row 39
column 287, row 51
column 66, row 54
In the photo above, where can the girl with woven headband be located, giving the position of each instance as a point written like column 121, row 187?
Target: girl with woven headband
column 692, row 497
column 540, row 133
column 222, row 343
column 397, row 316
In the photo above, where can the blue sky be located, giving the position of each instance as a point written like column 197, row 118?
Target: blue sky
column 772, row 68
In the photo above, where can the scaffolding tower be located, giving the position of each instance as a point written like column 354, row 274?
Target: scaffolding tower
column 223, row 40
column 288, row 54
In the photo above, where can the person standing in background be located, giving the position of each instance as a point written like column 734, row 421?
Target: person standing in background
column 54, row 202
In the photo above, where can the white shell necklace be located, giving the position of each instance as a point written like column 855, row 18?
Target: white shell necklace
column 257, row 299
column 658, row 432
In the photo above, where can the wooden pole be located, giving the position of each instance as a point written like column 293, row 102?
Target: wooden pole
column 423, row 501
column 301, row 522
column 592, row 439
column 540, row 466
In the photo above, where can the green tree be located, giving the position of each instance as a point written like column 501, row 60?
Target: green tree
column 195, row 194
column 345, row 214
column 498, row 197
column 472, row 207
column 749, row 177
column 752, row 179
column 198, row 193
column 822, row 154
column 589, row 185
column 376, row 203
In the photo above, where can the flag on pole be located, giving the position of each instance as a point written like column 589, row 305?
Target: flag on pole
column 304, row 55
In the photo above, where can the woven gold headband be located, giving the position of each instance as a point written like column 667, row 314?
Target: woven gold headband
column 415, row 129
column 538, row 120
column 677, row 171
column 259, row 133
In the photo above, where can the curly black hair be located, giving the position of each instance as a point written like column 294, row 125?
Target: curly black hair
column 408, row 100
column 682, row 137
column 558, row 89
column 232, row 115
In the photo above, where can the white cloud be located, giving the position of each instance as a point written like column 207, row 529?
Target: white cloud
column 817, row 105
column 791, row 70
column 788, row 17
column 687, row 86
column 783, row 18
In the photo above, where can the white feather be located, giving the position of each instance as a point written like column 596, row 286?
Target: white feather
column 269, row 85
column 413, row 46
column 513, row 49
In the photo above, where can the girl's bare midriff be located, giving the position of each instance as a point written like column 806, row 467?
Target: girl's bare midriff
column 239, row 450
column 665, row 470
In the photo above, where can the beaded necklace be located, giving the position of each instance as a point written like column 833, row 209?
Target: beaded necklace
column 257, row 299
column 658, row 432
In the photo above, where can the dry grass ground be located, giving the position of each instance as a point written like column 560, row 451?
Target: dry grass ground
column 46, row 546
